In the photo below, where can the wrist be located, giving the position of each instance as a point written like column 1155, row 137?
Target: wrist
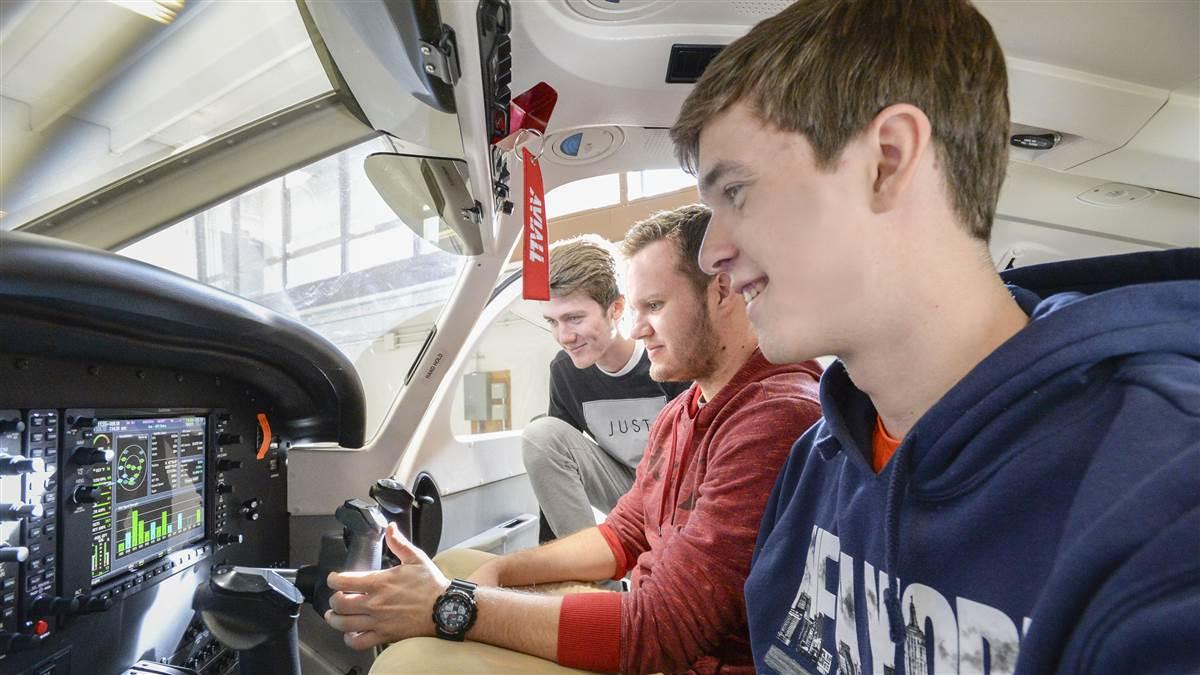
column 454, row 611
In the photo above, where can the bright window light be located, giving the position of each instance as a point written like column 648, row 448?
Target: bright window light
column 582, row 195
column 643, row 184
column 162, row 11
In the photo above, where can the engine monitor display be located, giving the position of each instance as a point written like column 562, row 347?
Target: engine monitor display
column 151, row 497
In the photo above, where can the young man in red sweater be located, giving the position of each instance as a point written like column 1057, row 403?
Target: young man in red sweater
column 685, row 530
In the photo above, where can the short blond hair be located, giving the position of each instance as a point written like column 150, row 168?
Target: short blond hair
column 684, row 228
column 826, row 68
column 586, row 263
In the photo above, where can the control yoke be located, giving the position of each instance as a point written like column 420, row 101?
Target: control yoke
column 361, row 551
column 254, row 610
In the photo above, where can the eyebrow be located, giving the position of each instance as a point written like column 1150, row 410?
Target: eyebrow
column 718, row 172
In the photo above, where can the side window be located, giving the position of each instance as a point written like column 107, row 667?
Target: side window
column 321, row 246
column 507, row 379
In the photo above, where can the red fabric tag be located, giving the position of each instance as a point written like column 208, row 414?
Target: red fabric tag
column 532, row 109
column 535, row 268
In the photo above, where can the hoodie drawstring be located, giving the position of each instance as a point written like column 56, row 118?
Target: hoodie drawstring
column 896, row 489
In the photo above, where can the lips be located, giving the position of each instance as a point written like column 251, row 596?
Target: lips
column 753, row 289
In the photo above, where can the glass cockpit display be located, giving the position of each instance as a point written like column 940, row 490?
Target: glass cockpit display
column 150, row 498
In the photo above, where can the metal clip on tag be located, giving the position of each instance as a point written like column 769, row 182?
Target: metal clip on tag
column 514, row 143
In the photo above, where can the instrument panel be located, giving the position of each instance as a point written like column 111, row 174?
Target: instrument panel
column 113, row 514
column 145, row 421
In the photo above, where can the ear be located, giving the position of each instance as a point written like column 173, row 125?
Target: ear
column 722, row 287
column 616, row 309
column 901, row 136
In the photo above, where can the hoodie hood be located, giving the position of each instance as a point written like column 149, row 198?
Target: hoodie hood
column 1100, row 309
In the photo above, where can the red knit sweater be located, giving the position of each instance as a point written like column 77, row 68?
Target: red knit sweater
column 687, row 529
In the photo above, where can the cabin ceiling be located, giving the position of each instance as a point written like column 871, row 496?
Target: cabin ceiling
column 88, row 79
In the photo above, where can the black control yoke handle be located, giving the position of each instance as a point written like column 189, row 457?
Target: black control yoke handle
column 365, row 525
column 253, row 611
column 396, row 502
column 360, row 550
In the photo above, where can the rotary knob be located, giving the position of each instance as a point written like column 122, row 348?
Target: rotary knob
column 85, row 494
column 226, row 538
column 93, row 604
column 16, row 642
column 13, row 554
column 48, row 605
column 19, row 511
column 12, row 465
column 86, row 455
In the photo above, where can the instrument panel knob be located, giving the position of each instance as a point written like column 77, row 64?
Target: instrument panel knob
column 86, row 455
column 20, row 510
column 46, row 605
column 85, row 494
column 12, row 465
column 227, row 538
column 13, row 554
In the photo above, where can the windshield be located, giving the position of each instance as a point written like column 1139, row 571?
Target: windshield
column 92, row 91
column 320, row 245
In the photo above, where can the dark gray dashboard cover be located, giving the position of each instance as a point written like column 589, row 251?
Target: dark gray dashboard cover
column 64, row 300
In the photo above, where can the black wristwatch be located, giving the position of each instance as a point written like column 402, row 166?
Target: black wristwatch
column 454, row 611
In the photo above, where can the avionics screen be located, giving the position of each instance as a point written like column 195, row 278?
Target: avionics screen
column 151, row 497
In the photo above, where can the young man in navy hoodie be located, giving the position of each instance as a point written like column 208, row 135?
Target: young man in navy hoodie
column 1006, row 478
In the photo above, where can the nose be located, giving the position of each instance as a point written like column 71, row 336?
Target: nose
column 641, row 327
column 716, row 250
column 563, row 335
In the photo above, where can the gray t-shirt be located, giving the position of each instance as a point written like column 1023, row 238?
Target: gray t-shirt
column 615, row 409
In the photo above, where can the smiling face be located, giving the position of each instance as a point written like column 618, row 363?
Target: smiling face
column 582, row 327
column 671, row 318
column 795, row 240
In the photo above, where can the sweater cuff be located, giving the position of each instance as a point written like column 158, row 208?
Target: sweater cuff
column 618, row 551
column 589, row 631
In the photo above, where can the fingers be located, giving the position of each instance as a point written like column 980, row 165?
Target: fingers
column 349, row 623
column 349, row 603
column 403, row 548
column 353, row 582
column 364, row 640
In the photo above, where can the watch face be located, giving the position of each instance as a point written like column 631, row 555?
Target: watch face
column 453, row 613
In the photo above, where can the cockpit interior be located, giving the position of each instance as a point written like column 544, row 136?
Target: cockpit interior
column 260, row 290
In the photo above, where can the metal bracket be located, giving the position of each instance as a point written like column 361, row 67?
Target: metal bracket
column 441, row 59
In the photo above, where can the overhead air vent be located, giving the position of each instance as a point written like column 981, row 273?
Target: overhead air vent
column 1114, row 194
column 617, row 10
column 759, row 9
column 583, row 146
column 687, row 62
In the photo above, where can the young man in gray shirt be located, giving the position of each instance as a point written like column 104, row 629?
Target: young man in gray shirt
column 602, row 399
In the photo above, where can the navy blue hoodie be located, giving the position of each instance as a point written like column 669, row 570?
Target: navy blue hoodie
column 1043, row 516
